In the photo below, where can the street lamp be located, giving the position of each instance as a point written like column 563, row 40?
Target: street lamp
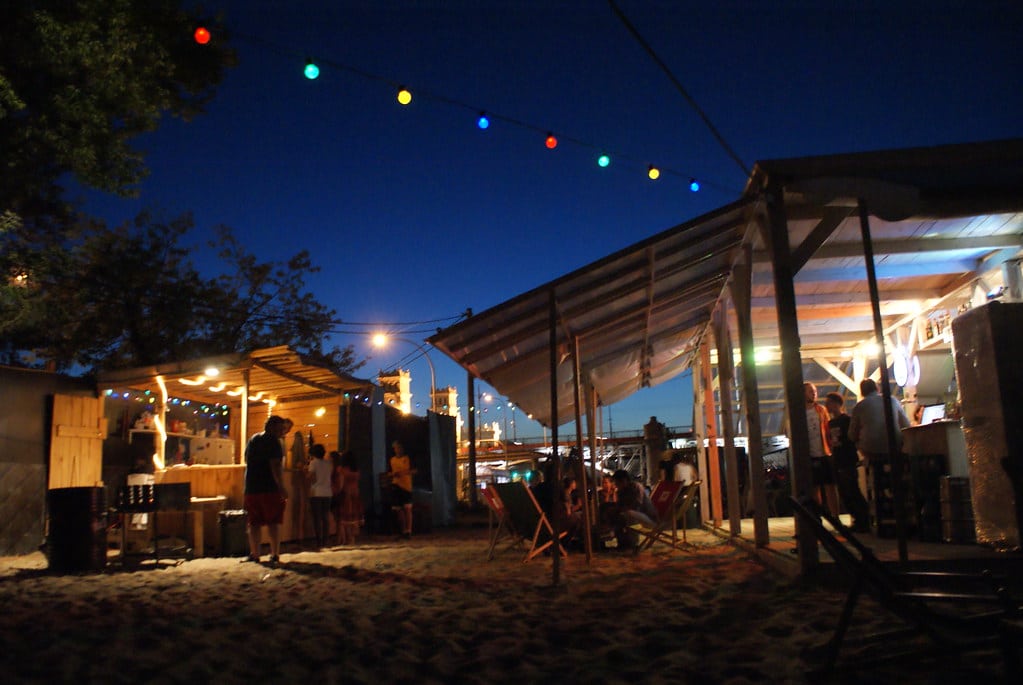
column 380, row 341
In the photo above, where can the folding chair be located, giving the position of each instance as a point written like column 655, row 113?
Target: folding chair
column 528, row 521
column 666, row 497
column 911, row 596
column 499, row 524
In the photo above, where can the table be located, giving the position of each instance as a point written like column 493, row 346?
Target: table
column 197, row 508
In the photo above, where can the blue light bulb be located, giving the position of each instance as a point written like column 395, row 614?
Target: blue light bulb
column 483, row 122
column 694, row 185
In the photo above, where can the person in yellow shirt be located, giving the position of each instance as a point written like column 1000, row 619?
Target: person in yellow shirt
column 401, row 488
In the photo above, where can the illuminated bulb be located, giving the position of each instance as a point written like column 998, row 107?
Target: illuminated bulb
column 551, row 141
column 404, row 96
column 694, row 185
column 603, row 161
column 311, row 70
column 483, row 122
column 653, row 172
column 202, row 35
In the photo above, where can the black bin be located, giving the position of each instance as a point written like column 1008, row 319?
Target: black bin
column 234, row 540
column 77, row 539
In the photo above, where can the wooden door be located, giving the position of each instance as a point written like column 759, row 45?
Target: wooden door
column 76, row 441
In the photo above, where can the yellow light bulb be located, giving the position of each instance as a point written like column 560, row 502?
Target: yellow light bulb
column 404, row 96
column 654, row 173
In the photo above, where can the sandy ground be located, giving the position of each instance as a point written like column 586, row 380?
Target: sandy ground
column 431, row 610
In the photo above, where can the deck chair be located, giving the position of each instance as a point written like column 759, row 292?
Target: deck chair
column 667, row 498
column 921, row 599
column 499, row 524
column 527, row 520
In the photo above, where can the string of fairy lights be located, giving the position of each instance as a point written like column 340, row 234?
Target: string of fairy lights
column 485, row 119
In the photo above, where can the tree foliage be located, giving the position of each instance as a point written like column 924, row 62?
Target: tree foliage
column 133, row 296
column 79, row 80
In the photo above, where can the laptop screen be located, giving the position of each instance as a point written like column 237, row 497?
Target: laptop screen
column 932, row 413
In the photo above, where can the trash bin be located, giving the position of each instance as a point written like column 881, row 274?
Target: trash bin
column 234, row 540
column 77, row 539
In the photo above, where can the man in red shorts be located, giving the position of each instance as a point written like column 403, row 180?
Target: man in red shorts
column 265, row 495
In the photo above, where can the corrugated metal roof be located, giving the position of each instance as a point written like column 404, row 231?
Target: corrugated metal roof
column 638, row 316
column 942, row 220
column 275, row 373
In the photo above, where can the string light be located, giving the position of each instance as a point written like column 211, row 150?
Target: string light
column 202, row 35
column 483, row 120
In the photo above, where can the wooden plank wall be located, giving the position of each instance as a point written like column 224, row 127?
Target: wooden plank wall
column 76, row 442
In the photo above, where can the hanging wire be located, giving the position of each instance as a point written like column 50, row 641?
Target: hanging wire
column 681, row 89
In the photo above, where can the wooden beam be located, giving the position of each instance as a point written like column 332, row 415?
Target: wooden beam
column 854, row 297
column 700, row 434
column 777, row 238
column 907, row 245
column 811, row 245
column 726, row 393
column 710, row 420
column 839, row 375
column 740, row 288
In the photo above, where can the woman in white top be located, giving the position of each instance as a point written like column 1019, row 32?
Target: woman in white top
column 320, row 492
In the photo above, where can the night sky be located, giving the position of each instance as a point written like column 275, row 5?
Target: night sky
column 415, row 214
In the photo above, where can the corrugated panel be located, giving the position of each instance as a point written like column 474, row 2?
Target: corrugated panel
column 637, row 314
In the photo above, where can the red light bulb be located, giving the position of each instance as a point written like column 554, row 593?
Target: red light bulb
column 202, row 35
column 551, row 141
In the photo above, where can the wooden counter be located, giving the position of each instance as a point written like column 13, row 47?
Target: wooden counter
column 939, row 437
column 229, row 481
column 210, row 481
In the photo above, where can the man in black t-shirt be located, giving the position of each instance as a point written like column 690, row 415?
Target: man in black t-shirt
column 265, row 496
column 843, row 452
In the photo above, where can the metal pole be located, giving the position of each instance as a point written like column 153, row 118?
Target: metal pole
column 894, row 453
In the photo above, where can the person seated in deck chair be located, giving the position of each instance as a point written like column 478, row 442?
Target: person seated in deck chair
column 633, row 506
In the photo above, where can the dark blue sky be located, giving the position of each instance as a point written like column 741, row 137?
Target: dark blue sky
column 414, row 214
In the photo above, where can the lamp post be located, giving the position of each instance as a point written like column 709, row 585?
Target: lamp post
column 380, row 341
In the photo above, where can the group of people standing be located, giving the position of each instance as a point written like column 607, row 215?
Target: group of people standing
column 334, row 490
column 837, row 440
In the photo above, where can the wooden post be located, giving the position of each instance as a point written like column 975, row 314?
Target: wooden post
column 591, row 430
column 471, row 429
column 552, row 320
column 577, row 401
column 726, row 393
column 243, row 421
column 741, row 286
column 699, row 434
column 710, row 419
column 777, row 239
